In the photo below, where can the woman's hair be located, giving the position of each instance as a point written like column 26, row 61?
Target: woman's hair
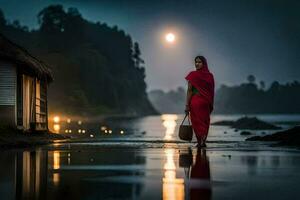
column 203, row 59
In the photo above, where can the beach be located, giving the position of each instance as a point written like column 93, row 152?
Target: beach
column 147, row 161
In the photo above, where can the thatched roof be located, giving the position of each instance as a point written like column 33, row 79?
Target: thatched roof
column 22, row 58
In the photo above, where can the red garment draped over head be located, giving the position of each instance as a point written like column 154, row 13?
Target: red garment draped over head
column 201, row 105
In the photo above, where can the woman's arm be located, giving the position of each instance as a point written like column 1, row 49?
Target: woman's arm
column 188, row 97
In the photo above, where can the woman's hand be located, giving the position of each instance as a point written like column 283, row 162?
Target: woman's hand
column 187, row 109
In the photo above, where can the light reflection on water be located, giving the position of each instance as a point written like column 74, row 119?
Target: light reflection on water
column 158, row 173
column 30, row 174
column 56, row 160
column 173, row 188
column 56, row 165
column 169, row 122
column 170, row 173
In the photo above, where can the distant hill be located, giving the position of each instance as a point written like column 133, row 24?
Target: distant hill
column 168, row 102
column 97, row 69
column 246, row 98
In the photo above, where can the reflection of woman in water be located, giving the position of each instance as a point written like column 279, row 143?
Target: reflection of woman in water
column 201, row 172
column 200, row 98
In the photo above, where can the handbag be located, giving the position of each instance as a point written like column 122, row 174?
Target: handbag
column 185, row 158
column 186, row 161
column 186, row 131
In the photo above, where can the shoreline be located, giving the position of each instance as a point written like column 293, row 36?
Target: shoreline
column 54, row 141
column 12, row 138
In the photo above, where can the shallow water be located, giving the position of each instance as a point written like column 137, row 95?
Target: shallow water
column 165, row 128
column 152, row 165
column 84, row 172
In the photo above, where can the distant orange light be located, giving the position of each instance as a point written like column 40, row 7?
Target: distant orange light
column 103, row 128
column 56, row 128
column 56, row 119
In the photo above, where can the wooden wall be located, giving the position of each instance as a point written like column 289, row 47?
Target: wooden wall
column 8, row 82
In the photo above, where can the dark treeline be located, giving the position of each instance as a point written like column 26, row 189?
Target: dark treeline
column 97, row 69
column 246, row 98
column 256, row 98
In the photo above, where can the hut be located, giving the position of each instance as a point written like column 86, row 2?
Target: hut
column 23, row 88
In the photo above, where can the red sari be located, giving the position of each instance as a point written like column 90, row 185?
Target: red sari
column 201, row 105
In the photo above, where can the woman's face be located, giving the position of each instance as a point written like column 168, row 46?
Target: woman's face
column 198, row 63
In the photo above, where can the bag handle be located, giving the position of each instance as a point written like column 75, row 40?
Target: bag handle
column 188, row 119
column 187, row 172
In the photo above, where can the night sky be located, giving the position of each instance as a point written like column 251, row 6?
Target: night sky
column 259, row 37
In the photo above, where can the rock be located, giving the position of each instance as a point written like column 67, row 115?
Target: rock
column 225, row 132
column 251, row 123
column 254, row 138
column 229, row 156
column 224, row 123
column 288, row 137
column 246, row 133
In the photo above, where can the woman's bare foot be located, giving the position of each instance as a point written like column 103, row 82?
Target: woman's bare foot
column 203, row 144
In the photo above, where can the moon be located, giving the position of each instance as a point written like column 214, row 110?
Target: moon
column 170, row 37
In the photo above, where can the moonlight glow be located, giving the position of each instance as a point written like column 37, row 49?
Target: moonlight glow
column 170, row 37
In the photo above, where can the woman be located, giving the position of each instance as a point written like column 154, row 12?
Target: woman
column 200, row 98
